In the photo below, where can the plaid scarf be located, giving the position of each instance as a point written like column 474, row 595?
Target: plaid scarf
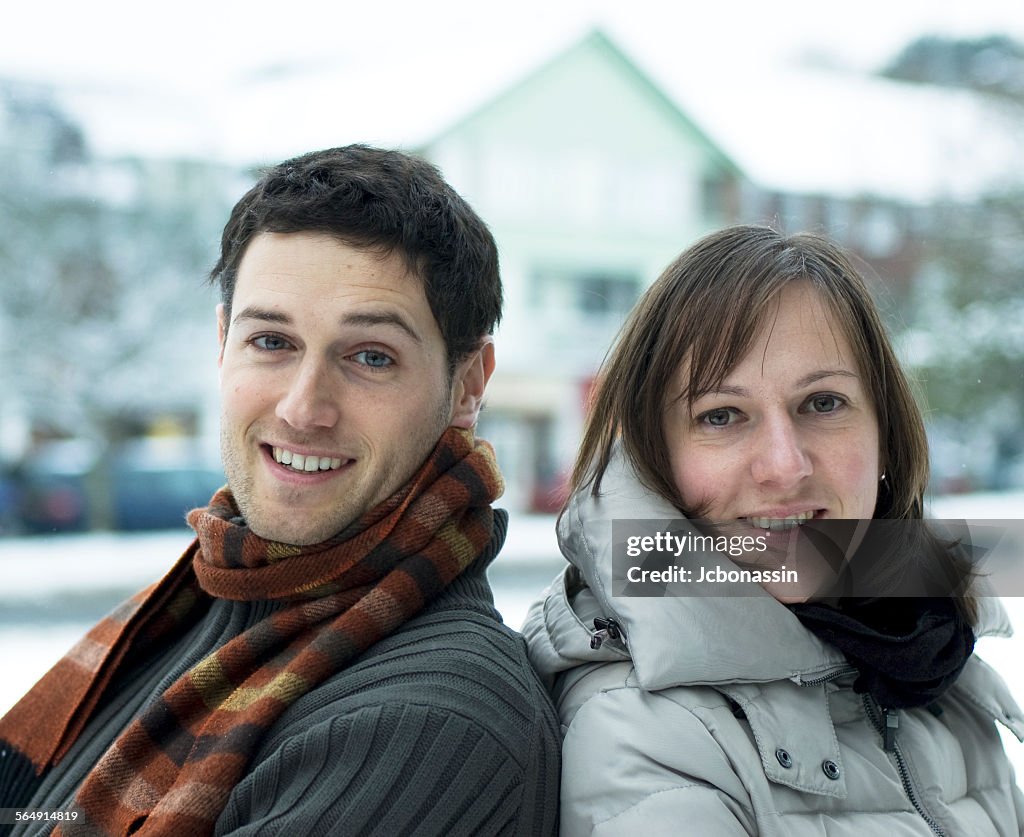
column 171, row 770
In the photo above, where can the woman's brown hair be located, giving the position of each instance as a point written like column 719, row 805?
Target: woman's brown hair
column 705, row 310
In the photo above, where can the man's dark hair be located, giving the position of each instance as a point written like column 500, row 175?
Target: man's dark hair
column 381, row 200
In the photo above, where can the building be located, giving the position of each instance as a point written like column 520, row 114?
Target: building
column 591, row 180
column 593, row 168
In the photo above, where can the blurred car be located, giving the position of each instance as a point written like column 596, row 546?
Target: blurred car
column 67, row 486
column 154, row 483
column 159, row 498
column 10, row 503
column 52, row 492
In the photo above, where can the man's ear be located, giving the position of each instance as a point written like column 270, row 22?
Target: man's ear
column 222, row 332
column 469, row 383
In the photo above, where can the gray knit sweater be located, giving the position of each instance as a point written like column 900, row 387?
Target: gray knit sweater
column 440, row 729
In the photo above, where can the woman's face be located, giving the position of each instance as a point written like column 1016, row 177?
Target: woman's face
column 791, row 432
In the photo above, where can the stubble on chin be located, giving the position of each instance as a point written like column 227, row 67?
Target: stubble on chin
column 239, row 477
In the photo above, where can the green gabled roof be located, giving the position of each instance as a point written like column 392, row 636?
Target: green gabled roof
column 596, row 40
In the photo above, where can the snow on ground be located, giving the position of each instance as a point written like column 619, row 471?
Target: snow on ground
column 52, row 589
column 1005, row 655
column 45, row 567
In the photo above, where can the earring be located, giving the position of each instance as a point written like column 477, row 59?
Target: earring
column 882, row 478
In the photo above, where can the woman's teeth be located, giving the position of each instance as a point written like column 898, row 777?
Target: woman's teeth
column 777, row 524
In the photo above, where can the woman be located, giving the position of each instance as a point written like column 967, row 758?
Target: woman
column 754, row 387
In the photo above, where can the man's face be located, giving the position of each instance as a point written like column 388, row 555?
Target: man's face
column 334, row 382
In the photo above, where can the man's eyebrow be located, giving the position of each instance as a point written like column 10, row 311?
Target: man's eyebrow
column 378, row 318
column 356, row 318
column 253, row 312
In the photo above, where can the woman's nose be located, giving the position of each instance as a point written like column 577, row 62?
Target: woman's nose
column 780, row 454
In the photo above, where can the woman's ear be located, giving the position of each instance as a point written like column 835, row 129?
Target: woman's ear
column 469, row 383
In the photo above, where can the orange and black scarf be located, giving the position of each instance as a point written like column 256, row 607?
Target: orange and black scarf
column 171, row 770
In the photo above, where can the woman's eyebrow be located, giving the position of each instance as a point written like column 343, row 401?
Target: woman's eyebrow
column 728, row 389
column 813, row 377
column 806, row 380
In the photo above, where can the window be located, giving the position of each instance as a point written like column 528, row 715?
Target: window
column 602, row 295
column 584, row 295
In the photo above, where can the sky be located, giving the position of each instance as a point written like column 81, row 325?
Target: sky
column 199, row 40
column 187, row 73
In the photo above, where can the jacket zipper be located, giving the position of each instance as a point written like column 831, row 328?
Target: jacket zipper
column 887, row 725
column 835, row 674
column 605, row 629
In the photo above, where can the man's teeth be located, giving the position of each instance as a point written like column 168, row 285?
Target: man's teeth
column 777, row 524
column 298, row 462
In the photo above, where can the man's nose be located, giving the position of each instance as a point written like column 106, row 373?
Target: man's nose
column 780, row 455
column 310, row 400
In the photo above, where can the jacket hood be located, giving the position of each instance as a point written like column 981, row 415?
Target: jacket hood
column 688, row 636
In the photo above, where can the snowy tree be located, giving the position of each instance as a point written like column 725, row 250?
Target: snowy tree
column 103, row 300
column 967, row 335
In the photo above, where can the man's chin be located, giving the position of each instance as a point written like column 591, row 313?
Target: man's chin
column 294, row 527
column 292, row 536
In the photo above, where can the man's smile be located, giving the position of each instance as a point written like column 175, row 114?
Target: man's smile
column 307, row 462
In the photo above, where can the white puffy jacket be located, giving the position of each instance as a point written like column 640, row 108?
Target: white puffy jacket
column 725, row 716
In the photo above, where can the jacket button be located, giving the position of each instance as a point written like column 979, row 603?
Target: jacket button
column 831, row 769
column 784, row 758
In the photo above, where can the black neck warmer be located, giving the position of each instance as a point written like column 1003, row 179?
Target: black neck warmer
column 907, row 651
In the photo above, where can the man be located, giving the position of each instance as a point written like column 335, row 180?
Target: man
column 325, row 658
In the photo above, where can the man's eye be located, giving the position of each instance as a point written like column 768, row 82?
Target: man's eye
column 270, row 342
column 376, row 360
column 824, row 403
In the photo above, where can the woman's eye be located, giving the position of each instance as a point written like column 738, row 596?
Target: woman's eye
column 718, row 418
column 376, row 360
column 824, row 404
column 270, row 342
